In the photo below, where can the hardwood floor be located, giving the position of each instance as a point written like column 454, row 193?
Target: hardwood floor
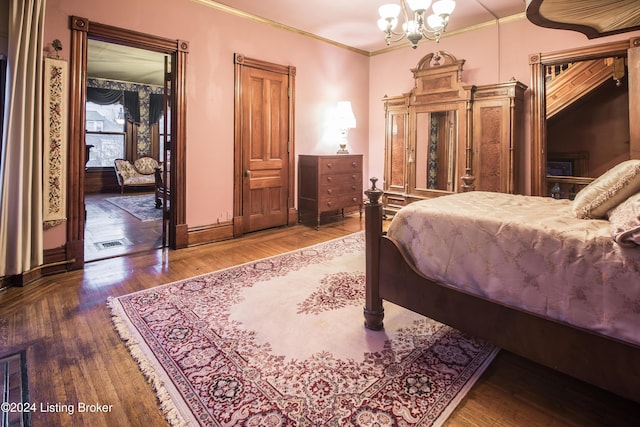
column 111, row 231
column 75, row 355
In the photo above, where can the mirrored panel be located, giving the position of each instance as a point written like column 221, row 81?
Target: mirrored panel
column 435, row 152
column 397, row 151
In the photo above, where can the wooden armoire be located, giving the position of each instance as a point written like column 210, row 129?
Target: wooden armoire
column 446, row 136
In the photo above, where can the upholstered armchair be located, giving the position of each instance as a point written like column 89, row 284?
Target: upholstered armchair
column 140, row 173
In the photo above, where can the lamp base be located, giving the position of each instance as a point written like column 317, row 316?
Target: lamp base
column 343, row 149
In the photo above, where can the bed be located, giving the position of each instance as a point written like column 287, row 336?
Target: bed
column 543, row 278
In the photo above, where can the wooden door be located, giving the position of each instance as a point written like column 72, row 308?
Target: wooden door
column 264, row 117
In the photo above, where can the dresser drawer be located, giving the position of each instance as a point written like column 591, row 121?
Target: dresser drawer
column 335, row 166
column 339, row 202
column 340, row 189
column 340, row 179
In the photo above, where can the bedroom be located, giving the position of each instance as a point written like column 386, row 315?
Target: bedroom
column 325, row 74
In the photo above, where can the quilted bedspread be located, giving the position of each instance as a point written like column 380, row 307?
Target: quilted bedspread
column 526, row 252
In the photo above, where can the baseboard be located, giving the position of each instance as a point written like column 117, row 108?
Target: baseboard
column 210, row 233
column 54, row 261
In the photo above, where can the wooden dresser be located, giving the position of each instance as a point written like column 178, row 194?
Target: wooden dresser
column 329, row 183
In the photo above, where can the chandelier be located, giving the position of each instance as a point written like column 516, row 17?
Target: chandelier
column 417, row 28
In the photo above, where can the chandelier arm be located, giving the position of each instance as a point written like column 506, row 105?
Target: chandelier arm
column 431, row 35
column 403, row 5
column 391, row 40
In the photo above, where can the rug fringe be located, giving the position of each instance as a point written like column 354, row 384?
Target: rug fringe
column 455, row 402
column 171, row 412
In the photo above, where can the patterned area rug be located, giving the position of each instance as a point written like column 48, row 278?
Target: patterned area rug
column 142, row 207
column 281, row 342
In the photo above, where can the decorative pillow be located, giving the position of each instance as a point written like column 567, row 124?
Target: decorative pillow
column 625, row 221
column 608, row 190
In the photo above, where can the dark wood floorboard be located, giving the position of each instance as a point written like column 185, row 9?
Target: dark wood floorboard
column 75, row 355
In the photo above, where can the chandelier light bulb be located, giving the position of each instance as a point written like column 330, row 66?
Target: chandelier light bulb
column 387, row 24
column 435, row 22
column 387, row 11
column 443, row 7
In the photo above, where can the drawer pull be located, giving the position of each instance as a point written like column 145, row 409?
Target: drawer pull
column 353, row 177
column 329, row 179
column 329, row 203
column 355, row 199
column 329, row 191
column 353, row 187
column 354, row 164
column 329, row 165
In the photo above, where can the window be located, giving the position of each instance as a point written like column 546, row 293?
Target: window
column 162, row 135
column 105, row 133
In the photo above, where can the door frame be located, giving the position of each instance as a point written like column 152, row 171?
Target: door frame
column 538, row 63
column 241, row 62
column 81, row 31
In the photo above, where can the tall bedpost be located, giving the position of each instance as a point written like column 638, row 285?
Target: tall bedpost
column 373, row 310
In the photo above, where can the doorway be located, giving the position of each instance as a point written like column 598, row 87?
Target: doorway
column 125, row 114
column 82, row 31
column 264, row 149
column 539, row 64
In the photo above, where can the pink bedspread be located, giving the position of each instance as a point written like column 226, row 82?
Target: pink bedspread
column 526, row 252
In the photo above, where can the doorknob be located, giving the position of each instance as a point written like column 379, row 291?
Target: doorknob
column 247, row 173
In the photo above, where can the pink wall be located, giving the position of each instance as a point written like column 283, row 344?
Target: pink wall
column 493, row 54
column 325, row 74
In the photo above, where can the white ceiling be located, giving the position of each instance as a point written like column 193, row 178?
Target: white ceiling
column 353, row 22
column 123, row 63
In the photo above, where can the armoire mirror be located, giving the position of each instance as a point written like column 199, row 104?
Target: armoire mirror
column 435, row 151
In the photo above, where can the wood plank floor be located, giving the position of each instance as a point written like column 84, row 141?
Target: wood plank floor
column 74, row 354
column 108, row 223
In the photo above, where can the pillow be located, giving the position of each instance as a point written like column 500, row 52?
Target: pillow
column 607, row 191
column 625, row 222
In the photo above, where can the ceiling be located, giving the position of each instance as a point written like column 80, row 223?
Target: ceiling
column 123, row 63
column 352, row 24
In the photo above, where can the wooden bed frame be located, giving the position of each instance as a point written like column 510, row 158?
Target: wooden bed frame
column 602, row 361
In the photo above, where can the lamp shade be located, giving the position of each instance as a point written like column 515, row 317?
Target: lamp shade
column 435, row 22
column 389, row 10
column 344, row 115
column 444, row 7
column 419, row 5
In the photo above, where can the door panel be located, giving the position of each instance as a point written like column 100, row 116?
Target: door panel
column 265, row 136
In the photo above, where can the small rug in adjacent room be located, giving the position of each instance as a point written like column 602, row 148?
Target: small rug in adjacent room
column 143, row 207
column 281, row 342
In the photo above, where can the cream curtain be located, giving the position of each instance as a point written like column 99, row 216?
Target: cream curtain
column 21, row 162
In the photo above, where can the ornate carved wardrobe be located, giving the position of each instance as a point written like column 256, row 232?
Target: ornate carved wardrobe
column 447, row 136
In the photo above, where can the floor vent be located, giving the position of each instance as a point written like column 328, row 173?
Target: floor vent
column 110, row 244
column 15, row 390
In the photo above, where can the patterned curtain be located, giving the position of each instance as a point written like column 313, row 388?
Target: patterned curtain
column 21, row 164
column 156, row 107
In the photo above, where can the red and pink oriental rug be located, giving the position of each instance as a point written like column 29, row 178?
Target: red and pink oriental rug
column 281, row 342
